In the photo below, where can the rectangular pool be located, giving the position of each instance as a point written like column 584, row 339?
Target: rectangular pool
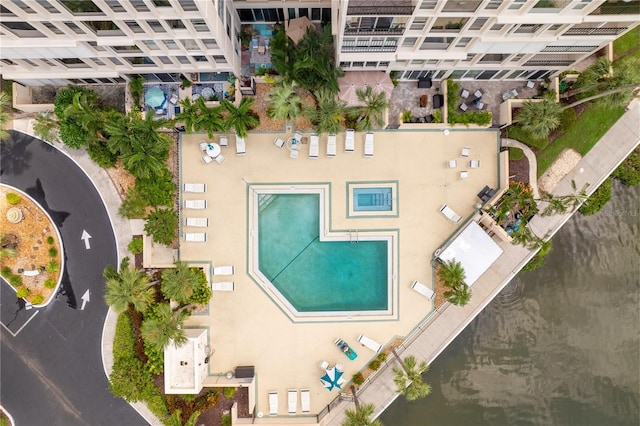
column 372, row 199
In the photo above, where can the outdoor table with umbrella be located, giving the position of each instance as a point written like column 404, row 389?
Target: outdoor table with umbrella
column 348, row 84
column 297, row 28
column 155, row 97
column 332, row 379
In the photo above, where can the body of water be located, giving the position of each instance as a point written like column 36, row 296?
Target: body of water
column 558, row 346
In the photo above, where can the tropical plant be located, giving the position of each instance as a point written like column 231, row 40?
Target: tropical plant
column 5, row 101
column 361, row 416
column 101, row 154
column 458, row 295
column 370, row 114
column 166, row 326
column 188, row 115
column 451, row 273
column 134, row 206
column 6, row 251
column 409, row 379
column 538, row 259
column 284, row 102
column 358, row 379
column 176, row 419
column 313, row 61
column 162, row 225
column 85, row 112
column 136, row 87
column 53, row 267
column 157, row 191
column 135, row 245
column 179, row 283
column 127, row 288
column 407, row 116
column 241, row 118
column 526, row 238
column 23, row 292
column 46, row 127
column 628, row 173
column 563, row 203
column 329, row 113
column 540, row 118
column 209, row 119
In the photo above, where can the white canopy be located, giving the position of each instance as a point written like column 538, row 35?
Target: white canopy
column 474, row 249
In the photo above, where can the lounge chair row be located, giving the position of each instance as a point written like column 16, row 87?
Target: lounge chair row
column 314, row 144
column 292, row 401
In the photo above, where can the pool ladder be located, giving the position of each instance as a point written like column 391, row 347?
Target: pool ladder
column 353, row 236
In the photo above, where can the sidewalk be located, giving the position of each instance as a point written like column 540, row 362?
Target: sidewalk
column 444, row 325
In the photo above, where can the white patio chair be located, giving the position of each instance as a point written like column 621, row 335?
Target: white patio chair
column 273, row 403
column 324, row 365
column 223, row 286
column 206, row 159
column 368, row 145
column 198, row 222
column 450, row 214
column 195, row 204
column 194, row 187
column 465, row 151
column 474, row 164
column 224, row 141
column 298, row 136
column 195, row 237
column 279, row 142
column 219, row 159
column 453, row 164
column 314, row 146
column 422, row 289
column 241, row 146
column 349, row 140
column 477, row 94
column 331, row 146
column 203, row 146
column 224, row 270
column 292, row 401
column 294, row 153
column 464, row 174
column 369, row 343
column 305, row 400
column 464, row 107
column 464, row 94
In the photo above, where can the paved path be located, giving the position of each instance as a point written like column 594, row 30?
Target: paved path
column 533, row 163
column 444, row 325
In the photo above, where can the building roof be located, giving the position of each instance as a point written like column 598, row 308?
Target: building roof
column 186, row 366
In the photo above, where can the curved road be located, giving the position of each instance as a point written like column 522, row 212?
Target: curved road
column 51, row 371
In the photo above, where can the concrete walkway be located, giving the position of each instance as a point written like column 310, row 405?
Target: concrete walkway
column 533, row 163
column 445, row 324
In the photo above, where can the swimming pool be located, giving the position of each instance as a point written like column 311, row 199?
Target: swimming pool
column 372, row 199
column 315, row 274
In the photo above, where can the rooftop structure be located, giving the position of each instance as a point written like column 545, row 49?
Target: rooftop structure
column 185, row 367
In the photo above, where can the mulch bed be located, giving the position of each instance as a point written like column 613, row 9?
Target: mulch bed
column 519, row 170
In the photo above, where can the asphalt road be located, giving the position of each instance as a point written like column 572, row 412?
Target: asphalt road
column 51, row 373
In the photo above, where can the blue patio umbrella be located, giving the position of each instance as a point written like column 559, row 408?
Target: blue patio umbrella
column 155, row 97
column 331, row 377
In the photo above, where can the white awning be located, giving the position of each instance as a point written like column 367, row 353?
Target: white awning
column 474, row 249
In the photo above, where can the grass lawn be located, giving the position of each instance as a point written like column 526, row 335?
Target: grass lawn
column 628, row 41
column 516, row 132
column 582, row 135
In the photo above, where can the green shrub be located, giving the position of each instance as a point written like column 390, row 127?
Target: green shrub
column 155, row 360
column 437, row 116
column 598, row 199
column 516, row 132
column 201, row 292
column 162, row 225
column 538, row 259
column 73, row 135
column 629, row 171
column 382, row 357
column 50, row 283
column 50, row 240
column 136, row 245
column 358, row 379
column 157, row 191
column 229, row 392
column 226, row 420
column 515, row 154
column 136, row 88
column 64, row 98
column 15, row 280
column 481, row 118
column 23, row 292
column 6, row 272
column 37, row 299
column 13, row 198
column 53, row 267
column 53, row 252
column 406, row 116
column 100, row 153
column 567, row 118
column 374, row 365
column 133, row 206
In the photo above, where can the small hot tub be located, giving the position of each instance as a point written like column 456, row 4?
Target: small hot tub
column 372, row 199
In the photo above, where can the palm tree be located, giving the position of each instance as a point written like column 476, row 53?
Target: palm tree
column 179, row 283
column 540, row 118
column 241, row 117
column 188, row 115
column 5, row 101
column 84, row 111
column 209, row 119
column 451, row 273
column 361, row 416
column 563, row 203
column 370, row 114
column 6, row 249
column 127, row 288
column 285, row 104
column 458, row 295
column 46, row 127
column 329, row 114
column 409, row 379
column 176, row 419
column 164, row 326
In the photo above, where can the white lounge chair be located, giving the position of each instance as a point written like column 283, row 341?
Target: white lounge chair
column 368, row 145
column 292, row 400
column 422, row 289
column 206, row 159
column 453, row 164
column 203, row 146
column 331, row 146
column 223, row 270
column 464, row 174
column 194, row 187
column 279, row 142
column 223, row 286
column 220, row 158
column 324, row 365
column 273, row 403
column 305, row 400
column 450, row 214
column 349, row 140
column 465, row 151
column 195, row 204
column 294, row 153
column 241, row 146
column 369, row 343
column 198, row 222
column 195, row 237
column 474, row 164
column 314, row 146
column 224, row 141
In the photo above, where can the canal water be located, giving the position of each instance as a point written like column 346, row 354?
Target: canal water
column 558, row 346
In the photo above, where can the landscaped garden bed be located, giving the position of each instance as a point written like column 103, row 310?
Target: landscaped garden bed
column 32, row 258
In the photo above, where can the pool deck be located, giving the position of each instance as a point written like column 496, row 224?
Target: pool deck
column 246, row 326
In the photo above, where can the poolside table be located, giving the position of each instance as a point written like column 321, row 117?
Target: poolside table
column 213, row 149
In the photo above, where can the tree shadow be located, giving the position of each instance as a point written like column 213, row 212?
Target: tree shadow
column 37, row 193
column 67, row 290
column 14, row 155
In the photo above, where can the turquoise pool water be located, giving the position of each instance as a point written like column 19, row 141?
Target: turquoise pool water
column 372, row 199
column 318, row 276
